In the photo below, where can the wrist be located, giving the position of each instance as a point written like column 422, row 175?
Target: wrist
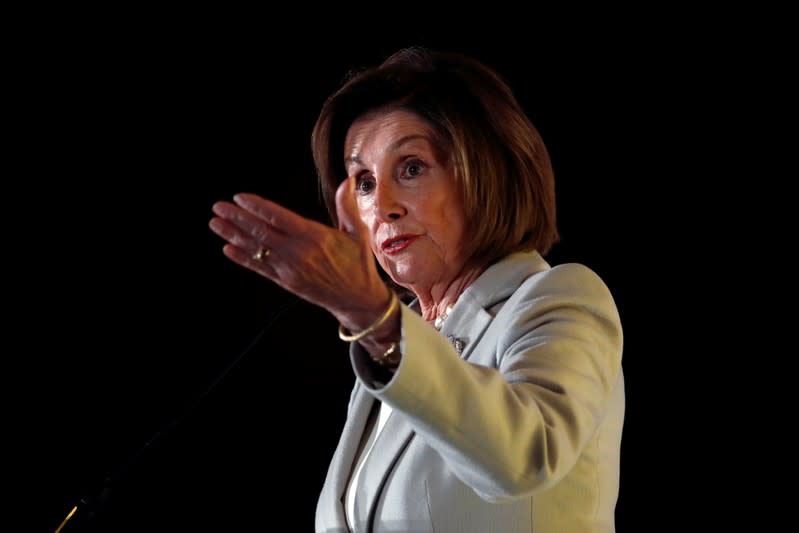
column 390, row 358
column 378, row 324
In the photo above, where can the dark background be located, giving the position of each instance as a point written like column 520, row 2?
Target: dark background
column 127, row 312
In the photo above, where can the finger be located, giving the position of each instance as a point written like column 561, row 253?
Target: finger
column 277, row 216
column 243, row 251
column 349, row 219
column 248, row 227
column 247, row 259
column 247, row 221
column 235, row 235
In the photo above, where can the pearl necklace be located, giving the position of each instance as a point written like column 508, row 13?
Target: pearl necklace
column 459, row 344
column 441, row 318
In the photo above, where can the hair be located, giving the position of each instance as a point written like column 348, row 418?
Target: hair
column 498, row 156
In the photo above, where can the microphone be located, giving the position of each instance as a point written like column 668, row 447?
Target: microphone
column 83, row 516
column 87, row 514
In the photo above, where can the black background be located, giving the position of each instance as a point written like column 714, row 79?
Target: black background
column 126, row 311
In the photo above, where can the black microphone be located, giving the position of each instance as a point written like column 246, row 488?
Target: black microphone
column 84, row 516
column 87, row 515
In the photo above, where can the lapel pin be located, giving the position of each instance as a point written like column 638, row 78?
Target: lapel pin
column 457, row 343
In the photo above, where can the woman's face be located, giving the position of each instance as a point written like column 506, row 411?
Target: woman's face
column 408, row 199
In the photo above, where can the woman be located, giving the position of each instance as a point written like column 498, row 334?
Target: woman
column 492, row 399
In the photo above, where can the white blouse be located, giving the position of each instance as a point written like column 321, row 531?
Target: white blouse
column 349, row 498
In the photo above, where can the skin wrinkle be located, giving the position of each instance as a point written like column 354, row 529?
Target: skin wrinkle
column 427, row 206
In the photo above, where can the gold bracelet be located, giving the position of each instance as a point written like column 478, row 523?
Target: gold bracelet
column 343, row 335
column 390, row 357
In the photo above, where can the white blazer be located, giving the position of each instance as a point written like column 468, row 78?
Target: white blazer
column 519, row 433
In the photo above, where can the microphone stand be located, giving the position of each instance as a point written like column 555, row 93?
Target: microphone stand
column 84, row 514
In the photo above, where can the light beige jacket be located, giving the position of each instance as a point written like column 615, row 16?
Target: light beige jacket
column 520, row 433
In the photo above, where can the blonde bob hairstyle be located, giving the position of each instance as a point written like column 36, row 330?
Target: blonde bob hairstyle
column 499, row 159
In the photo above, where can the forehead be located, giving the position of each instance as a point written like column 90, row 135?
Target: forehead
column 381, row 128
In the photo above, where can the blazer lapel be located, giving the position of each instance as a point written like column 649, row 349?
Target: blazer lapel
column 466, row 326
column 471, row 315
column 387, row 449
column 342, row 462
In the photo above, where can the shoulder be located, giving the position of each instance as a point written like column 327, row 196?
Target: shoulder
column 573, row 278
column 524, row 278
column 570, row 285
column 560, row 306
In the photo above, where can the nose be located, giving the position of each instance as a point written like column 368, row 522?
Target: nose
column 388, row 205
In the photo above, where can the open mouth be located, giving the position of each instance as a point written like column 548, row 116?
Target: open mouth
column 397, row 244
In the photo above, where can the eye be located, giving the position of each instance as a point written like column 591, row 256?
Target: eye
column 414, row 169
column 365, row 184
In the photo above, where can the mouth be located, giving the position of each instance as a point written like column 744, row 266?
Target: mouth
column 397, row 244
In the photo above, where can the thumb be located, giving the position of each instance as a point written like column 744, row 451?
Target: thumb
column 349, row 221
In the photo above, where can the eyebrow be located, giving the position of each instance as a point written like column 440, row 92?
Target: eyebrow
column 391, row 147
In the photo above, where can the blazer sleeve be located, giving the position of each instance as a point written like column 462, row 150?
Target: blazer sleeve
column 516, row 422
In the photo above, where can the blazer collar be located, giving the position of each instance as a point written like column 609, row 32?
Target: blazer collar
column 501, row 279
column 472, row 314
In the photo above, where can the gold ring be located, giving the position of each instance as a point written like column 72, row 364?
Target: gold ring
column 261, row 254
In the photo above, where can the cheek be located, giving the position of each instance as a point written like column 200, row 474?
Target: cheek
column 450, row 228
column 364, row 208
column 366, row 214
column 443, row 217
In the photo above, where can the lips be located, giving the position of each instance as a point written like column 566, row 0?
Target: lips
column 397, row 244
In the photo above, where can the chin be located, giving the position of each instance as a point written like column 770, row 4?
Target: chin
column 404, row 273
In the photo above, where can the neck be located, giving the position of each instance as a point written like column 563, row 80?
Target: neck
column 434, row 301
